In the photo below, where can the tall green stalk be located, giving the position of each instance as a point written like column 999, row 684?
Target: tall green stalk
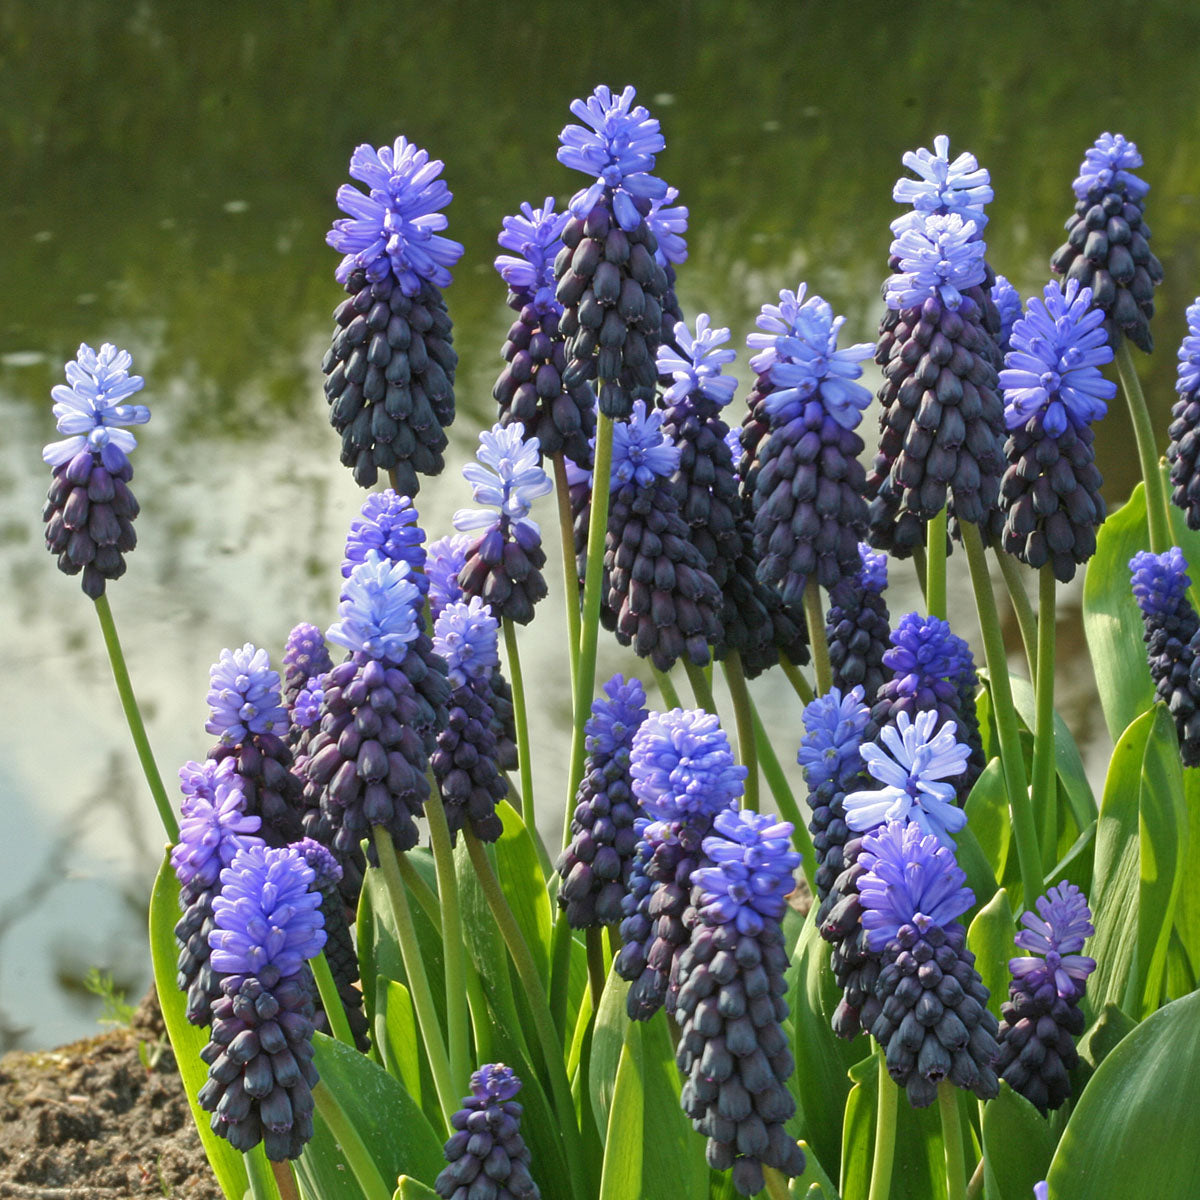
column 935, row 566
column 701, row 688
column 362, row 1165
column 523, row 803
column 666, row 688
column 1045, row 788
column 133, row 718
column 1023, row 610
column 814, row 615
column 744, row 718
column 885, row 1133
column 1157, row 513
column 777, row 1185
column 331, row 1002
column 799, row 684
column 566, row 535
column 258, row 1174
column 952, row 1143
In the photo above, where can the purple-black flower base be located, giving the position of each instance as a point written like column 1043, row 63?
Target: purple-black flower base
column 830, row 833
column 858, row 631
column 343, row 966
column 1183, row 452
column 194, row 975
column 465, row 767
column 273, row 790
column 855, row 966
column 504, row 722
column 732, row 1049
column 1038, row 1031
column 89, row 514
column 260, row 1068
column 530, row 389
column 1050, row 497
column 504, row 569
column 487, row 1156
column 941, row 428
column 390, row 380
column 611, row 290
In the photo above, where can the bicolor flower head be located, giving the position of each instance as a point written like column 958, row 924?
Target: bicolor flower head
column 464, row 634
column 911, row 879
column 962, row 187
column 668, row 222
column 91, row 410
column 798, row 353
column 924, row 651
column 494, row 1083
column 445, row 559
column 914, row 765
column 378, row 610
column 752, row 872
column 1053, row 364
column 1107, row 165
column 1054, row 936
column 615, row 716
column 215, row 824
column 396, row 226
column 1187, row 381
column 617, row 145
column 305, row 652
column 327, row 871
column 682, row 767
column 244, row 696
column 388, row 527
column 698, row 369
column 534, row 236
column 507, row 475
column 641, row 452
column 873, row 576
column 266, row 916
column 1007, row 300
column 1160, row 581
column 833, row 732
column 306, row 712
column 940, row 257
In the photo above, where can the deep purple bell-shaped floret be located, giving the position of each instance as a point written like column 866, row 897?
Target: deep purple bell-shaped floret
column 1183, row 452
column 305, row 659
column 858, row 627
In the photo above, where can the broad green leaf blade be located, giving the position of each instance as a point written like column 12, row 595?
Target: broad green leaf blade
column 186, row 1040
column 1017, row 1146
column 1136, row 1128
column 412, row 1189
column 623, row 1144
column 1187, row 907
column 608, row 1041
column 814, row 1176
column 988, row 817
column 1098, row 1042
column 524, row 885
column 395, row 1131
column 399, row 1041
column 990, row 938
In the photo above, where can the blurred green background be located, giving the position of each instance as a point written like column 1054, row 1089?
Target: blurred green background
column 169, row 172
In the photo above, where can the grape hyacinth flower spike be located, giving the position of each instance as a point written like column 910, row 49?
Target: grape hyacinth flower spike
column 251, row 725
column 504, row 561
column 1041, row 1018
column 387, row 527
column 305, row 660
column 530, row 390
column 89, row 509
column 595, row 865
column 933, row 1021
column 267, row 924
column 1183, row 452
column 1053, row 390
column 390, row 369
column 858, row 627
column 668, row 222
column 486, row 1154
column 608, row 282
column 732, row 1000
column 1107, row 247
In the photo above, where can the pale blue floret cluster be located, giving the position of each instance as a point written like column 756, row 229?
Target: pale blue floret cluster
column 447, row 556
column 1054, row 936
column 940, row 258
column 641, row 453
column 90, row 408
column 1008, row 304
column 214, row 824
column 668, row 222
column 1187, row 380
column 244, row 695
column 534, row 236
column 698, row 369
column 961, row 187
column 833, row 730
column 378, row 610
column 388, row 527
column 873, row 577
column 1107, row 165
column 465, row 636
column 507, row 475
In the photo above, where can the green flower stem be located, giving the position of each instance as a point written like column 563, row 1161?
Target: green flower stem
column 743, row 715
column 921, row 565
column 777, row 1185
column 701, row 688
column 453, row 948
column 935, row 566
column 814, row 615
column 424, row 895
column 285, row 1181
column 331, row 1002
column 1045, row 788
column 975, row 1183
column 418, row 981
column 1157, row 513
column 133, row 717
column 885, row 1133
column 595, row 965
column 1027, row 623
column 536, row 995
column 784, row 800
column 1024, row 827
column 362, row 1165
column 956, row 1171
column 560, row 968
column 799, row 684
column 258, row 1173
column 666, row 688
column 523, row 803
column 566, row 533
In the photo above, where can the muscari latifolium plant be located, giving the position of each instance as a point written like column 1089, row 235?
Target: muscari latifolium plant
column 943, row 969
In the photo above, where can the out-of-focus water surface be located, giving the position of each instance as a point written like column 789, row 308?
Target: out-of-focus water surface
column 169, row 172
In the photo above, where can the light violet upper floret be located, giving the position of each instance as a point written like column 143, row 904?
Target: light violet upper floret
column 506, row 475
column 1160, row 581
column 495, row 1083
column 641, row 451
column 388, row 526
column 535, row 238
column 873, row 575
column 924, row 652
column 90, row 408
column 327, row 871
column 1007, row 300
column 698, row 369
column 1187, row 380
column 378, row 609
column 1053, row 364
column 395, row 227
column 307, row 709
column 797, row 352
column 615, row 717
column 464, row 634
column 244, row 696
column 961, row 186
column 214, row 824
column 618, row 149
column 668, row 222
column 833, row 732
column 1055, row 935
column 911, row 879
column 1107, row 164
column 941, row 256
column 913, row 766
column 266, row 916
column 446, row 558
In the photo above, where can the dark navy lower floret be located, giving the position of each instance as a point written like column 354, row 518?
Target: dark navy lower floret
column 465, row 765
column 195, row 976
column 1037, row 1036
column 857, row 630
column 273, row 789
column 504, row 569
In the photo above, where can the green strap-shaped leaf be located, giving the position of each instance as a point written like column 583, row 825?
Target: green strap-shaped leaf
column 990, row 938
column 1017, row 1146
column 412, row 1189
column 988, row 816
column 623, row 1143
column 397, row 1037
column 524, row 885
